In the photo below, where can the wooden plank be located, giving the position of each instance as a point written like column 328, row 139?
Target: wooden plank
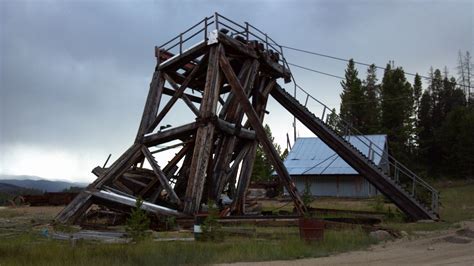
column 151, row 106
column 124, row 162
column 167, row 169
column 174, row 133
column 133, row 180
column 187, row 55
column 192, row 98
column 205, row 134
column 233, row 130
column 172, row 101
column 231, row 99
column 260, row 131
column 74, row 209
column 231, row 171
column 160, row 175
column 177, row 158
column 165, row 55
column 122, row 187
column 276, row 67
column 183, row 96
column 236, row 45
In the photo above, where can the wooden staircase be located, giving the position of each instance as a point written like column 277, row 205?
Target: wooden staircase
column 416, row 207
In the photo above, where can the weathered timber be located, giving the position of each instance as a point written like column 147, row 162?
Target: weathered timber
column 179, row 59
column 236, row 45
column 165, row 55
column 232, row 170
column 124, row 162
column 235, row 115
column 117, row 183
column 192, row 98
column 166, row 170
column 233, row 130
column 168, row 147
column 183, row 96
column 172, row 101
column 179, row 132
column 260, row 131
column 76, row 208
column 133, row 180
column 204, row 135
column 160, row 175
column 152, row 104
column 217, row 147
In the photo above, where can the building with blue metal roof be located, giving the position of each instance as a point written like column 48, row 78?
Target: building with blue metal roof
column 311, row 160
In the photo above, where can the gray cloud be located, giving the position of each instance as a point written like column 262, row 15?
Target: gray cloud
column 75, row 74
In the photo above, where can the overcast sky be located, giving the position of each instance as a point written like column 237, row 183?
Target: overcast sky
column 75, row 74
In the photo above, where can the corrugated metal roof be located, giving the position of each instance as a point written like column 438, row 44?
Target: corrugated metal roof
column 311, row 156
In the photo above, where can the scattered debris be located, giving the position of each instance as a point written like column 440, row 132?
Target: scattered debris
column 380, row 235
column 109, row 237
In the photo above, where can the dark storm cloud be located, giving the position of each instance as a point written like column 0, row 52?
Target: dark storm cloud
column 75, row 74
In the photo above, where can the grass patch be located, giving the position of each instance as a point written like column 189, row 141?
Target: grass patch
column 457, row 204
column 30, row 249
column 8, row 213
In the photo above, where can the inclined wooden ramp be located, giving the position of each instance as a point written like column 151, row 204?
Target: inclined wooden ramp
column 407, row 201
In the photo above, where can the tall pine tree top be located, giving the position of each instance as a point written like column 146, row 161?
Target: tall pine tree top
column 351, row 96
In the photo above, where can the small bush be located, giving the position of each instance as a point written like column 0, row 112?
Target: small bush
column 379, row 203
column 138, row 223
column 211, row 229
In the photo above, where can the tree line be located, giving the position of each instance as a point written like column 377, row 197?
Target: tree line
column 430, row 128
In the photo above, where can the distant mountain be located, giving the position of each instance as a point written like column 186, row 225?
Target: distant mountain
column 38, row 183
column 8, row 192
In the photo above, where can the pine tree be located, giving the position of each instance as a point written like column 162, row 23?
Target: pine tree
column 138, row 223
column 417, row 92
column 352, row 97
column 262, row 167
column 456, row 139
column 425, row 129
column 371, row 107
column 397, row 111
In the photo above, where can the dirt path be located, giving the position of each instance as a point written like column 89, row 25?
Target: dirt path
column 454, row 247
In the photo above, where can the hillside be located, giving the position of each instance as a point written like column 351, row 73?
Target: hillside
column 8, row 192
column 38, row 183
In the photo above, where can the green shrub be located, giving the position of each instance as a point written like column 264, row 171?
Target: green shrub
column 138, row 223
column 211, row 228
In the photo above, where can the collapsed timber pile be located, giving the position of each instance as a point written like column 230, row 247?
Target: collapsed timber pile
column 225, row 79
column 235, row 75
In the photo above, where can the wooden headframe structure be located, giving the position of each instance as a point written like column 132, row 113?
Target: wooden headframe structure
column 225, row 79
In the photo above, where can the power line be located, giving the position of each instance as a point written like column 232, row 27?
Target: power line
column 314, row 70
column 356, row 62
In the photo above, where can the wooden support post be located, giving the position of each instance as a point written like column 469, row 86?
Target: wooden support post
column 151, row 106
column 238, row 205
column 234, row 114
column 205, row 134
column 260, row 131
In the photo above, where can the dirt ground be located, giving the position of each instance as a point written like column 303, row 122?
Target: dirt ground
column 453, row 247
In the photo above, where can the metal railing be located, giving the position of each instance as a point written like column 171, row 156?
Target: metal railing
column 199, row 32
column 419, row 189
column 400, row 174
